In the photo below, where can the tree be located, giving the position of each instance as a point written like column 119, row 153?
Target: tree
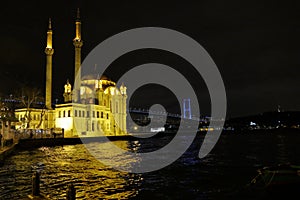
column 30, row 98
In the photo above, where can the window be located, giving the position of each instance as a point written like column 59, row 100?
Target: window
column 64, row 113
column 101, row 114
column 59, row 114
column 93, row 126
column 82, row 113
column 79, row 113
column 75, row 113
column 87, row 113
column 69, row 113
column 106, row 115
column 97, row 114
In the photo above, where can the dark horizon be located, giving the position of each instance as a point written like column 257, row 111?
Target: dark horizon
column 255, row 45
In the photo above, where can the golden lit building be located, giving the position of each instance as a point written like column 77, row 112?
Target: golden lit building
column 98, row 106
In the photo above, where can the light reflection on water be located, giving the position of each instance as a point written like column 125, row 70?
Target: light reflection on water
column 231, row 165
column 103, row 152
column 60, row 166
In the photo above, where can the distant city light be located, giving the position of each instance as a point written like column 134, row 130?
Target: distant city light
column 156, row 130
column 252, row 124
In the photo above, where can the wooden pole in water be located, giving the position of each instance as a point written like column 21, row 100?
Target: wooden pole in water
column 36, row 184
column 71, row 192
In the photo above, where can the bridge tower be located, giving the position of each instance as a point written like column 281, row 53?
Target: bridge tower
column 187, row 112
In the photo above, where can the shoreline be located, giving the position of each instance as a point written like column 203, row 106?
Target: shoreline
column 51, row 142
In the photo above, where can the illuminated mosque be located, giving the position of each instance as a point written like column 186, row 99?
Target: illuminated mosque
column 98, row 106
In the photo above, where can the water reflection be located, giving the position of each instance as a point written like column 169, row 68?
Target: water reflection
column 110, row 155
column 230, row 166
column 60, row 166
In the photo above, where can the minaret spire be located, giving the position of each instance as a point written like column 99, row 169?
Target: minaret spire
column 49, row 35
column 77, row 42
column 78, row 26
column 49, row 26
column 49, row 52
column 78, row 14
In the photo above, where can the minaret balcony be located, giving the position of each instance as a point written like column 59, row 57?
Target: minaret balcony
column 77, row 43
column 49, row 51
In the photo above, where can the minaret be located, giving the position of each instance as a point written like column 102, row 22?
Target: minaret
column 77, row 42
column 49, row 52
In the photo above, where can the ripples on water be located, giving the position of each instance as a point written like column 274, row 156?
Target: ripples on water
column 231, row 164
column 62, row 165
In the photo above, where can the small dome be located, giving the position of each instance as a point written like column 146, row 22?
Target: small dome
column 103, row 77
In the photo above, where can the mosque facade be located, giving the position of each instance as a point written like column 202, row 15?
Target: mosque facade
column 97, row 107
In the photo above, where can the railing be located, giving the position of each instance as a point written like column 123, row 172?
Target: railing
column 13, row 136
column 8, row 138
column 39, row 133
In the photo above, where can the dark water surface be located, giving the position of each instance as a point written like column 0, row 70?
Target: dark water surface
column 221, row 175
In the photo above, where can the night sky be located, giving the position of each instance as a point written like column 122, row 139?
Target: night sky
column 255, row 44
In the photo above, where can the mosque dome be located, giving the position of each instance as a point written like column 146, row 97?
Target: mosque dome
column 94, row 82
